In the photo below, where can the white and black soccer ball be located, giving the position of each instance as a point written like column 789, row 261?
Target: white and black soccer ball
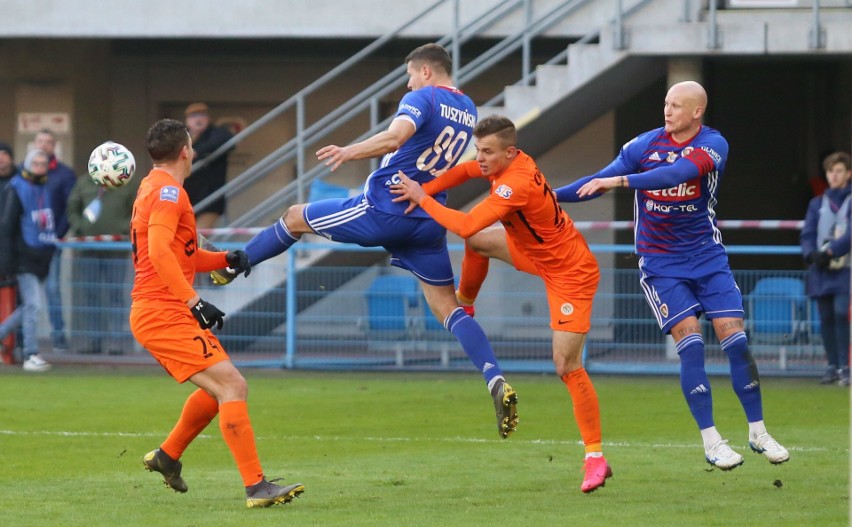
column 111, row 165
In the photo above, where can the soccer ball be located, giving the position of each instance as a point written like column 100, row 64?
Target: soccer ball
column 111, row 165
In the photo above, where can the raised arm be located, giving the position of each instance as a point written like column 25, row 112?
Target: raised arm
column 399, row 131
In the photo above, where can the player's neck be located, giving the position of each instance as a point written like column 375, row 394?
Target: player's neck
column 685, row 135
column 443, row 81
column 172, row 170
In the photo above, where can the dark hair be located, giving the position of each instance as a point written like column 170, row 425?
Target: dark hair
column 433, row 54
column 165, row 139
column 837, row 157
column 502, row 127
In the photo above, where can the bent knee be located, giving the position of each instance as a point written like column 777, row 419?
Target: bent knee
column 294, row 219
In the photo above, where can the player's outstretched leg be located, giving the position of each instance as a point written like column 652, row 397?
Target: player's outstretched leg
column 505, row 407
column 267, row 493
column 268, row 243
column 159, row 461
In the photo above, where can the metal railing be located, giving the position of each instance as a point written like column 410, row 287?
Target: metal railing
column 314, row 327
column 295, row 150
column 368, row 101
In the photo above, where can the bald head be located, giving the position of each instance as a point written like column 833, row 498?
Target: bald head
column 691, row 91
column 684, row 108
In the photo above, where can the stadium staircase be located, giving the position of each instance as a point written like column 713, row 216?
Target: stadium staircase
column 616, row 49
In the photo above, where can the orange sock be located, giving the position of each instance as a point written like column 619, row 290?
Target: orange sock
column 200, row 408
column 239, row 436
column 586, row 410
column 474, row 270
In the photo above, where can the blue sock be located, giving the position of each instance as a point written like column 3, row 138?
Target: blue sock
column 694, row 381
column 474, row 342
column 744, row 375
column 270, row 242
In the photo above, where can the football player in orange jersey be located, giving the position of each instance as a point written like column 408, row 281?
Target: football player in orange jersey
column 537, row 237
column 171, row 321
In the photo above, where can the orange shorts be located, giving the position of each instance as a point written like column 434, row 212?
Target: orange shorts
column 175, row 340
column 570, row 287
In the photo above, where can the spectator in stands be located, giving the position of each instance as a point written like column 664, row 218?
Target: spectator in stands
column 536, row 237
column 7, row 165
column 100, row 300
column 684, row 267
column 27, row 238
column 825, row 247
column 7, row 283
column 60, row 181
column 206, row 138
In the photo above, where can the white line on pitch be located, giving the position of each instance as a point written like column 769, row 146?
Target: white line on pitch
column 556, row 442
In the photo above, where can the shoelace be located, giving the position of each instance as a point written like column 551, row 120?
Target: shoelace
column 770, row 443
column 721, row 447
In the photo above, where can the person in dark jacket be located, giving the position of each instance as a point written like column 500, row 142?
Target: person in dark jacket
column 60, row 180
column 101, row 299
column 27, row 238
column 206, row 138
column 8, row 288
column 825, row 241
column 7, row 165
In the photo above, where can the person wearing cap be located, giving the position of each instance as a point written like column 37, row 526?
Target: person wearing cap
column 27, row 244
column 206, row 138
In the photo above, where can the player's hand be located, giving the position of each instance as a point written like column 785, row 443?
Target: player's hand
column 599, row 186
column 207, row 315
column 407, row 189
column 238, row 261
column 334, row 156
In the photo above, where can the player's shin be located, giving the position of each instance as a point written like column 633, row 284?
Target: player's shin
column 475, row 344
column 200, row 408
column 744, row 377
column 270, row 242
column 473, row 273
column 584, row 399
column 694, row 381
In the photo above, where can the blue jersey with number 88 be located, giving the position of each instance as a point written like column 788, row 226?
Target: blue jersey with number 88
column 444, row 118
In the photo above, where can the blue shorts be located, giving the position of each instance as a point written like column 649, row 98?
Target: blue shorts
column 677, row 287
column 416, row 244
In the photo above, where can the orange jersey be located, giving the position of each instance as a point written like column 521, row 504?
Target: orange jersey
column 163, row 281
column 523, row 202
column 541, row 238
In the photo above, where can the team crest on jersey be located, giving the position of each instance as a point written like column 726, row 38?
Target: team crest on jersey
column 169, row 194
column 654, row 157
column 672, row 157
column 664, row 310
column 504, row 191
column 567, row 309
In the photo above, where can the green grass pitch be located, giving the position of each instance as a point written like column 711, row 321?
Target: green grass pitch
column 402, row 449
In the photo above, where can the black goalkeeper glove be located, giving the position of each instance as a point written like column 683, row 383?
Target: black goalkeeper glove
column 238, row 262
column 207, row 315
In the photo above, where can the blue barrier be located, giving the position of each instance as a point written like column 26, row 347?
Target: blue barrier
column 328, row 327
